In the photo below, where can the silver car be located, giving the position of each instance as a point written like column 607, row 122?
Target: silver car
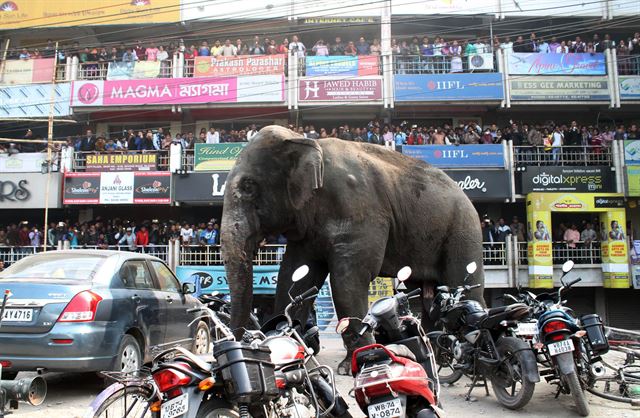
column 92, row 310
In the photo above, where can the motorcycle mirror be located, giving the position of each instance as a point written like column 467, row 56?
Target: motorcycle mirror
column 300, row 273
column 567, row 266
column 404, row 273
column 472, row 267
column 342, row 326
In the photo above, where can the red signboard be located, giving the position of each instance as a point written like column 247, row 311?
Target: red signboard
column 123, row 187
column 240, row 65
column 335, row 89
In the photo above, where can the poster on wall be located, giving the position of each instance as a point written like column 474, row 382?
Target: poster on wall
column 113, row 188
column 216, row 157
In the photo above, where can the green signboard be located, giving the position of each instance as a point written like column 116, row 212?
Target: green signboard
column 633, row 180
column 216, row 157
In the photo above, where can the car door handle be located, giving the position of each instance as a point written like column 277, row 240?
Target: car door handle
column 136, row 298
column 169, row 299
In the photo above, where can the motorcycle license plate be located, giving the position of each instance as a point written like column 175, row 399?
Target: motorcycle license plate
column 527, row 329
column 175, row 407
column 560, row 347
column 388, row 409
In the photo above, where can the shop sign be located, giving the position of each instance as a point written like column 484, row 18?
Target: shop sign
column 632, row 152
column 121, row 162
column 575, row 202
column 200, row 187
column 111, row 188
column 30, row 162
column 170, row 91
column 568, row 179
column 556, row 64
column 27, row 191
column 547, row 88
column 449, row 156
column 220, row 157
column 27, row 71
column 342, row 65
column 482, row 184
column 633, row 180
column 448, row 87
column 214, row 278
column 629, row 87
column 239, row 65
column 360, row 89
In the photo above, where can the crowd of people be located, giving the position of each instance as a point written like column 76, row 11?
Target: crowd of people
column 433, row 54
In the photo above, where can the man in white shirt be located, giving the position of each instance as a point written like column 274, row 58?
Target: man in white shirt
column 297, row 48
column 481, row 47
column 556, row 145
column 213, row 136
column 186, row 234
column 251, row 132
column 507, row 45
column 229, row 50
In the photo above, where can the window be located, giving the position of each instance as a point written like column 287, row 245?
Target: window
column 79, row 267
column 135, row 275
column 167, row 280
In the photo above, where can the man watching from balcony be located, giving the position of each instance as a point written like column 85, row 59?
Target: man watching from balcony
column 588, row 235
column 297, row 48
column 209, row 236
column 129, row 56
column 151, row 53
column 229, row 50
column 362, row 46
column 139, row 50
column 338, row 47
column 216, row 49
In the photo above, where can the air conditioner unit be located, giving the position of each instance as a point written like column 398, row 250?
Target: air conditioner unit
column 482, row 62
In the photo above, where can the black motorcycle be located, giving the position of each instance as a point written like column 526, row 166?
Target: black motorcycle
column 479, row 343
column 569, row 348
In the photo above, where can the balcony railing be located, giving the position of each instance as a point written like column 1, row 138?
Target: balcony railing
column 441, row 64
column 12, row 254
column 581, row 155
column 628, row 64
column 210, row 255
column 583, row 253
column 80, row 158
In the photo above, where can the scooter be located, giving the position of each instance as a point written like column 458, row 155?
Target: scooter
column 396, row 376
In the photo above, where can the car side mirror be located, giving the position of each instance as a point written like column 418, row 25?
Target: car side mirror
column 188, row 288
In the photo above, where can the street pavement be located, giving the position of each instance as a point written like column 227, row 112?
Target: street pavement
column 69, row 395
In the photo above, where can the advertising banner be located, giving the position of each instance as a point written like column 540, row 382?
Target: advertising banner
column 202, row 188
column 27, row 71
column 26, row 191
column 615, row 257
column 121, row 162
column 133, row 70
column 560, row 88
column 109, row 188
column 568, row 179
column 632, row 152
column 539, row 250
column 633, row 180
column 239, row 65
column 18, row 14
column 220, row 157
column 448, row 87
column 31, row 101
column 343, row 65
column 629, row 87
column 169, row 91
column 482, row 184
column 556, row 64
column 214, row 278
column 22, row 162
column 450, row 156
column 577, row 202
column 361, row 89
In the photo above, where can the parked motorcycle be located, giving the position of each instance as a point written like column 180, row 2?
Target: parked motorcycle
column 569, row 347
column 31, row 390
column 480, row 343
column 261, row 377
column 395, row 377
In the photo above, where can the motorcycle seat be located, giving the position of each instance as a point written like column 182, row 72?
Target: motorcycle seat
column 202, row 362
column 514, row 311
column 401, row 350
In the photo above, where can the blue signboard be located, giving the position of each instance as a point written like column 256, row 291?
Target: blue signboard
column 556, row 64
column 214, row 278
column 32, row 101
column 340, row 65
column 448, row 87
column 451, row 156
column 629, row 87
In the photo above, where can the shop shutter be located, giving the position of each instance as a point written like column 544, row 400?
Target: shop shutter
column 623, row 309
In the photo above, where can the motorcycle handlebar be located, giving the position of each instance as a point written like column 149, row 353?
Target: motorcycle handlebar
column 414, row 292
column 475, row 286
column 572, row 282
column 310, row 292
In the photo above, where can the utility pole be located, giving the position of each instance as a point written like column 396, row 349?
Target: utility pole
column 52, row 98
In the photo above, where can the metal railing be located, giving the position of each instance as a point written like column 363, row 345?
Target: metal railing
column 80, row 158
column 440, row 64
column 15, row 253
column 628, row 64
column 494, row 254
column 207, row 255
column 583, row 253
column 580, row 155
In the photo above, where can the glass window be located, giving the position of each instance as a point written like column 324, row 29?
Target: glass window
column 166, row 279
column 80, row 267
column 135, row 275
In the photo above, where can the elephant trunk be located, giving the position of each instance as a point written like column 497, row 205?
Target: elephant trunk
column 238, row 239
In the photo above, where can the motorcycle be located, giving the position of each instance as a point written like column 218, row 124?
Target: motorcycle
column 31, row 390
column 480, row 343
column 569, row 347
column 395, row 377
column 260, row 376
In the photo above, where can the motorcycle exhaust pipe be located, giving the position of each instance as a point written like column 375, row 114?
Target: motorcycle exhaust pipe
column 597, row 370
column 31, row 390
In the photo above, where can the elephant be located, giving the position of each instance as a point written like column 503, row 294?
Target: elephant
column 348, row 209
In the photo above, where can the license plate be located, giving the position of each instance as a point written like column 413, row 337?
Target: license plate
column 388, row 409
column 560, row 347
column 175, row 407
column 17, row 315
column 527, row 329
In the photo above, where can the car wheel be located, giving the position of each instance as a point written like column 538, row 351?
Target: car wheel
column 129, row 357
column 202, row 339
column 9, row 375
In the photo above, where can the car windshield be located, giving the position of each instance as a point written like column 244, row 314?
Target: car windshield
column 55, row 266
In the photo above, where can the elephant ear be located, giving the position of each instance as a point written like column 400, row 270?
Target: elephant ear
column 307, row 170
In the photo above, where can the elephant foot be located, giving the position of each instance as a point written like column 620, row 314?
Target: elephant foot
column 344, row 368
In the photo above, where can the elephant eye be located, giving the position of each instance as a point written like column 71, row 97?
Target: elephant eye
column 248, row 187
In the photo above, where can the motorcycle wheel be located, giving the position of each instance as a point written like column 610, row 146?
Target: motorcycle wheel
column 217, row 408
column 577, row 393
column 509, row 384
column 445, row 361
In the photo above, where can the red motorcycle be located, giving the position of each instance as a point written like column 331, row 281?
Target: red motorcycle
column 397, row 376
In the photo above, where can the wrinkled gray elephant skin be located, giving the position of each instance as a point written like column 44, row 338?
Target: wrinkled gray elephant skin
column 350, row 209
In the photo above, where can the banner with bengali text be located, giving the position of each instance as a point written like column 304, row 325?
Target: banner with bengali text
column 240, row 65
